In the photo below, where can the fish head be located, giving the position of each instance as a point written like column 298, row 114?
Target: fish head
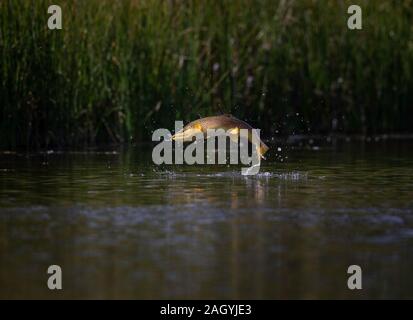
column 188, row 132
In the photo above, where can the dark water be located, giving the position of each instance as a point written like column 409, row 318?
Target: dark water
column 122, row 228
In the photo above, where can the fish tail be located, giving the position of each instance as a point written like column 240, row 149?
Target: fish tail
column 262, row 149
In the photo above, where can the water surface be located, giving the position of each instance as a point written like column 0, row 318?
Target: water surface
column 121, row 227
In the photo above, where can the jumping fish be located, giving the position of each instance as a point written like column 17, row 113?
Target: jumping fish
column 227, row 122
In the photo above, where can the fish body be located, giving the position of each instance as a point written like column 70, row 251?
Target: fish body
column 226, row 122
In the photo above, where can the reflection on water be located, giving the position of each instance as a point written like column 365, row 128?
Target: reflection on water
column 122, row 228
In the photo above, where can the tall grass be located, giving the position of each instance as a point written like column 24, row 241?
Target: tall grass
column 120, row 69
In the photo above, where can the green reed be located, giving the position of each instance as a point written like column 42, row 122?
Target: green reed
column 120, row 69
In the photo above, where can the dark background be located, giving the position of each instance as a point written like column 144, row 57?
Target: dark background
column 120, row 69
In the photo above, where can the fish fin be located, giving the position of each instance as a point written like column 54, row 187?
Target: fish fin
column 233, row 134
column 234, row 138
column 198, row 127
